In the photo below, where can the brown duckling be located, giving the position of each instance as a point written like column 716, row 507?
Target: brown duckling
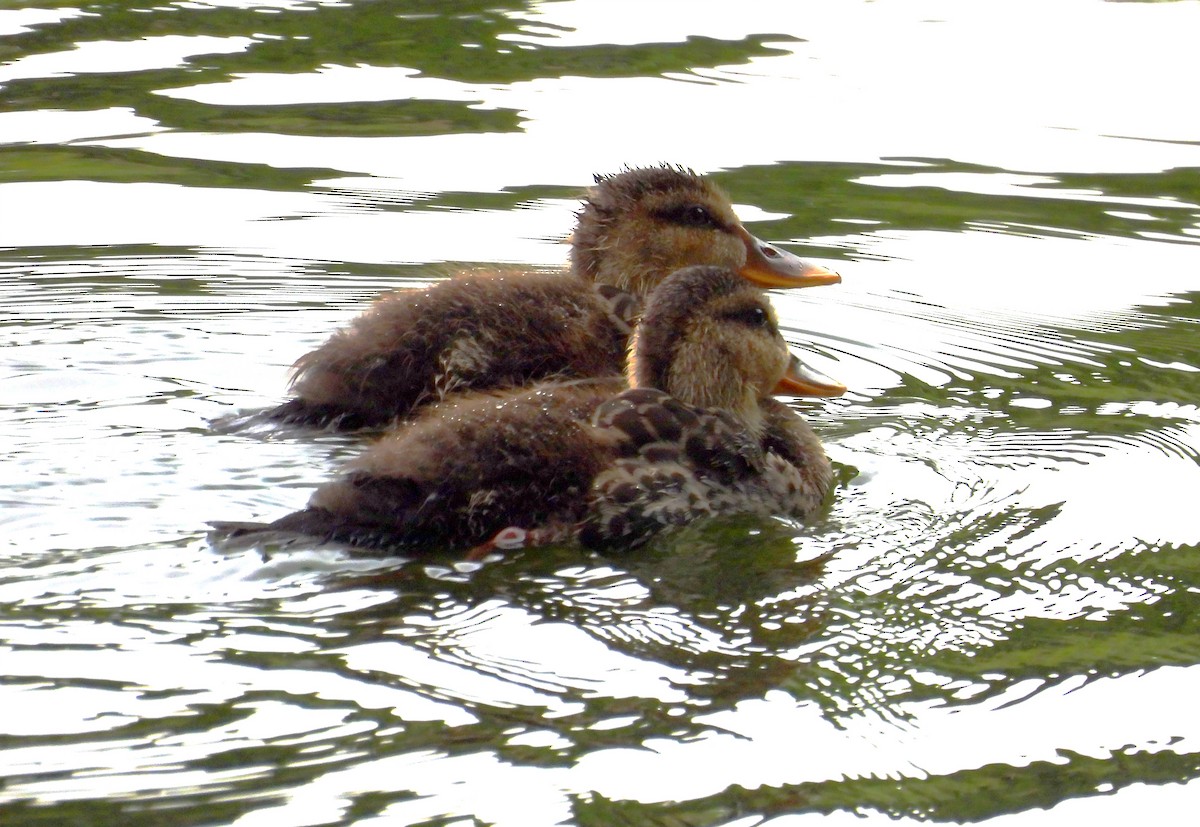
column 494, row 330
column 693, row 434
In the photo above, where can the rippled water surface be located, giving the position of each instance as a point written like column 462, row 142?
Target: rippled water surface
column 996, row 619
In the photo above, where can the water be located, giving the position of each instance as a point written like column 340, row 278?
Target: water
column 994, row 622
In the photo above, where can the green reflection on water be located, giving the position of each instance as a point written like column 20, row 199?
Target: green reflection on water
column 818, row 197
column 82, row 163
column 962, row 797
column 754, row 596
column 408, row 33
column 384, row 33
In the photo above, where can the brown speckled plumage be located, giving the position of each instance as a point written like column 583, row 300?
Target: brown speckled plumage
column 483, row 331
column 594, row 458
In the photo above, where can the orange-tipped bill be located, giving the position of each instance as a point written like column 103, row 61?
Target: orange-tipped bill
column 801, row 380
column 768, row 266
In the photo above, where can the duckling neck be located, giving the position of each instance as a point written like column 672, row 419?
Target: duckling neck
column 749, row 413
column 654, row 364
column 637, row 278
column 737, row 400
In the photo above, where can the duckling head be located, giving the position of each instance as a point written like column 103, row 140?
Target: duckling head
column 711, row 339
column 640, row 225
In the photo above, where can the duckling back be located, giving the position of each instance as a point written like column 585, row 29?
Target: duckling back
column 678, row 464
column 477, row 331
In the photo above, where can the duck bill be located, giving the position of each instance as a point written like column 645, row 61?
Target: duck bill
column 801, row 380
column 768, row 266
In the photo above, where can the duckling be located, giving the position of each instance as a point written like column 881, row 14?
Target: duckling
column 689, row 432
column 484, row 330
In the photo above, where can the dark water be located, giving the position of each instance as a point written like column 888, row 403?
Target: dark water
column 996, row 620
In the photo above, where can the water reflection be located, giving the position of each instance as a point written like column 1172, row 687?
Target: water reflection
column 995, row 614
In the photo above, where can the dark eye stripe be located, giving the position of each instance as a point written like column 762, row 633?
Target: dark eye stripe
column 691, row 215
column 750, row 316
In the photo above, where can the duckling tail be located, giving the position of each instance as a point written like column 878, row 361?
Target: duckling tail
column 313, row 525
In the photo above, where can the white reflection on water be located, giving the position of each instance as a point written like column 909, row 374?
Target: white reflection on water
column 777, row 741
column 315, row 226
column 1127, row 805
column 966, row 525
column 104, row 56
column 58, row 127
column 834, row 103
column 15, row 21
column 514, row 660
column 1025, row 186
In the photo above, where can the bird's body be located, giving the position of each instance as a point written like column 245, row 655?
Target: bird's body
column 689, row 432
column 504, row 330
column 476, row 332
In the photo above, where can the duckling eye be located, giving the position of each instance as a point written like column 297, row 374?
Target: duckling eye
column 692, row 215
column 750, row 317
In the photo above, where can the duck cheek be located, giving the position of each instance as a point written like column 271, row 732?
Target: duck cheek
column 783, row 362
column 686, row 248
column 726, row 251
column 765, row 370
